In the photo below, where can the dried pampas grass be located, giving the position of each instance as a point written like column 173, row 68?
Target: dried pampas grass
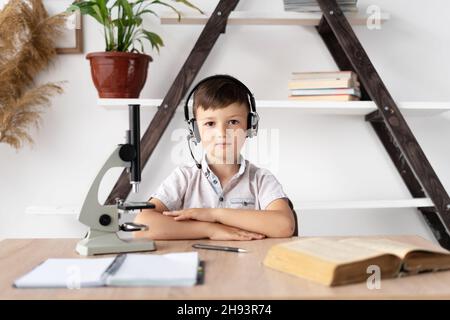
column 27, row 46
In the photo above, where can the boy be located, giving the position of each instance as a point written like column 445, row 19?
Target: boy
column 226, row 197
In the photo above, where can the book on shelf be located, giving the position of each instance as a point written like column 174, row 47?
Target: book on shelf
column 324, row 85
column 342, row 261
column 336, row 97
column 325, row 80
column 323, row 75
column 313, row 6
column 332, row 91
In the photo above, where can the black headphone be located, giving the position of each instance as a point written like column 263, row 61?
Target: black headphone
column 252, row 118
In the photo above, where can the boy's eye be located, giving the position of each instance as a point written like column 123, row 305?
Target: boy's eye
column 209, row 124
column 234, row 122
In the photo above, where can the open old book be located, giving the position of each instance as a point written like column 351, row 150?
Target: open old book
column 341, row 261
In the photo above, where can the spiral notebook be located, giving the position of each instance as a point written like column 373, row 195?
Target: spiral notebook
column 172, row 269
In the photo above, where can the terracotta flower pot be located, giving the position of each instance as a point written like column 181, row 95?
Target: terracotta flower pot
column 119, row 74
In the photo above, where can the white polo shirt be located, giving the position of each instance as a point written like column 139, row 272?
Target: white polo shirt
column 190, row 187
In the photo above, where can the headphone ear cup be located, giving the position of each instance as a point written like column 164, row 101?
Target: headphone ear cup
column 197, row 137
column 252, row 125
column 256, row 123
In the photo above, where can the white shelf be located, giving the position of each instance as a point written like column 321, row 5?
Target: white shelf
column 121, row 104
column 61, row 210
column 267, row 18
column 415, row 108
column 372, row 204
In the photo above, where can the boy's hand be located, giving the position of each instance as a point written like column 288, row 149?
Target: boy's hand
column 223, row 232
column 199, row 214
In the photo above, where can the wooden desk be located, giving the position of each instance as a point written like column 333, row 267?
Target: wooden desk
column 227, row 276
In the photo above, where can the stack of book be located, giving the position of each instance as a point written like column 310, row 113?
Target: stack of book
column 313, row 6
column 334, row 86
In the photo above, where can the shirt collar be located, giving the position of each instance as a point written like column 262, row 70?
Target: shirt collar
column 208, row 172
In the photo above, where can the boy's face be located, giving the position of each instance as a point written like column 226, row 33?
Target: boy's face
column 223, row 132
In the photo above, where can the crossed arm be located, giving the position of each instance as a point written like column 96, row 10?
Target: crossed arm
column 218, row 224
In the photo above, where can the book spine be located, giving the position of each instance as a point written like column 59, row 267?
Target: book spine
column 322, row 84
column 322, row 75
column 317, row 92
column 337, row 97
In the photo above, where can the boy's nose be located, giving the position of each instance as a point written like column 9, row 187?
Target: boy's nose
column 221, row 130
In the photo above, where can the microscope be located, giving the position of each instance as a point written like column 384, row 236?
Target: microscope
column 103, row 220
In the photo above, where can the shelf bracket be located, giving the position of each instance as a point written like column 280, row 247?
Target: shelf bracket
column 374, row 116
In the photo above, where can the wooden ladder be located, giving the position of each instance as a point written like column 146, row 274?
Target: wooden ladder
column 348, row 53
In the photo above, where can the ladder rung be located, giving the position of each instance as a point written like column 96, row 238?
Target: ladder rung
column 371, row 204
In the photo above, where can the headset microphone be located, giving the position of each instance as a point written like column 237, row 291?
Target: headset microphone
column 189, row 138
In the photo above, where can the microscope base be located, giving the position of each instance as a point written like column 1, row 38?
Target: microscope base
column 98, row 242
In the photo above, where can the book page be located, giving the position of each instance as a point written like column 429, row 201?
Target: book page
column 400, row 249
column 332, row 250
column 66, row 273
column 173, row 269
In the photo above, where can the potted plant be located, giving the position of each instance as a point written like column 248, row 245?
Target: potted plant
column 121, row 70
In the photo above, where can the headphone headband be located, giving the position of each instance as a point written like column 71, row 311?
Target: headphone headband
column 219, row 76
column 252, row 117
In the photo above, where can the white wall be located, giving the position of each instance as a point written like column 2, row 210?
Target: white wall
column 319, row 157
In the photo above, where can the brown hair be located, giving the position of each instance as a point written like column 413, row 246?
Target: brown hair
column 218, row 93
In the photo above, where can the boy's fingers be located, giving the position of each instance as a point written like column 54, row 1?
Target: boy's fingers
column 246, row 236
column 240, row 236
column 252, row 234
column 182, row 217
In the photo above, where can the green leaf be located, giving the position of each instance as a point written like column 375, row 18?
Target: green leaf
column 127, row 7
column 168, row 5
column 142, row 45
column 154, row 39
column 103, row 9
column 127, row 22
column 146, row 11
column 86, row 8
column 189, row 4
column 133, row 4
column 122, row 20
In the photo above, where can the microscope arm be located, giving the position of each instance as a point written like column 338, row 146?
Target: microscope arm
column 93, row 214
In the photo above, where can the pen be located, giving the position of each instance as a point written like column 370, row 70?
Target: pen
column 114, row 266
column 221, row 248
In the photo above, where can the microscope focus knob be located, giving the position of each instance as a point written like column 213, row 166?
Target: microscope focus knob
column 104, row 220
column 127, row 152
